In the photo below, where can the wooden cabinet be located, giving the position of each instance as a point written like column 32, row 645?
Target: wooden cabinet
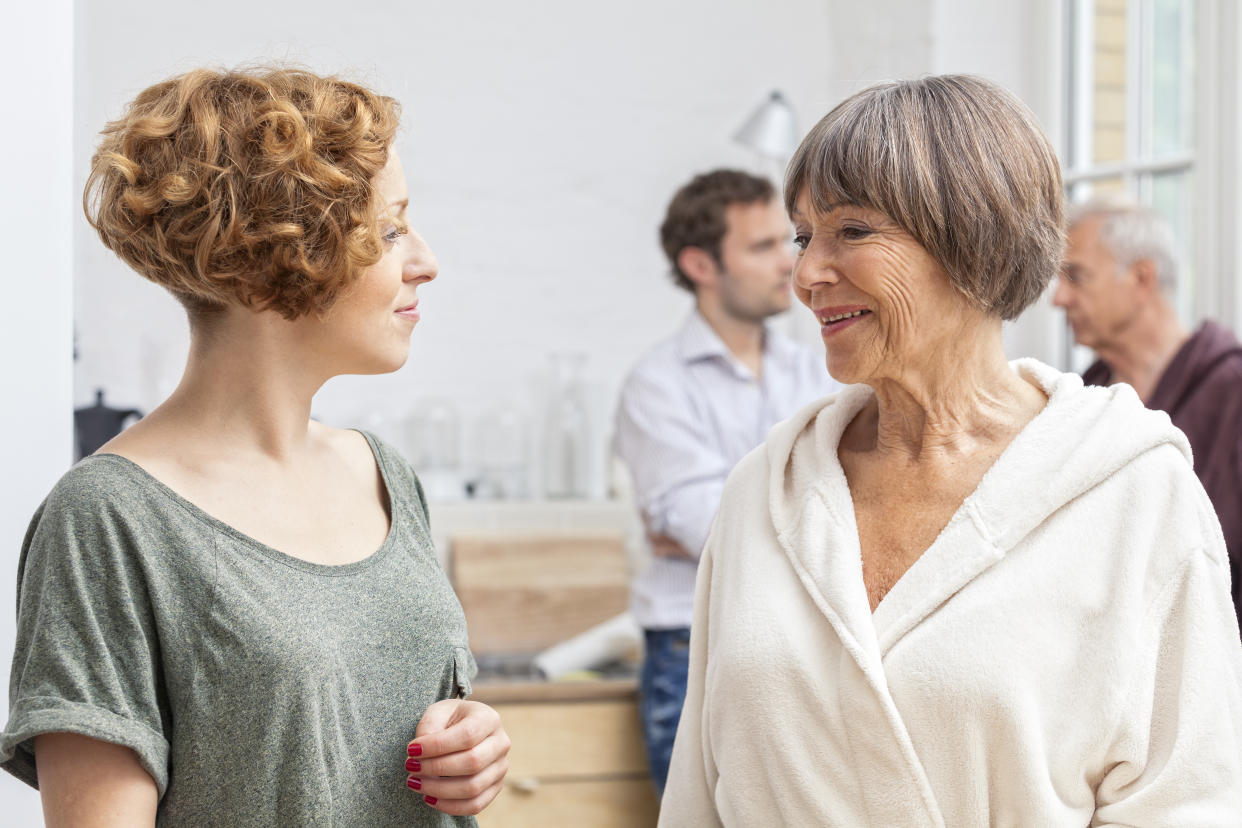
column 577, row 759
column 577, row 756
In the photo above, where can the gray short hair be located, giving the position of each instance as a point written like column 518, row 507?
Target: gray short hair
column 1132, row 233
column 961, row 165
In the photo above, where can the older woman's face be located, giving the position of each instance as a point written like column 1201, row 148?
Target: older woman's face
column 884, row 305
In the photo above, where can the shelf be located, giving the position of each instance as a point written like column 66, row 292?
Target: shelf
column 452, row 517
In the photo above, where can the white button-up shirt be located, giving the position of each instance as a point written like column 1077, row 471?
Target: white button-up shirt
column 688, row 412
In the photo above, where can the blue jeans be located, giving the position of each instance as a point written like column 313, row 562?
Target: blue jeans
column 661, row 693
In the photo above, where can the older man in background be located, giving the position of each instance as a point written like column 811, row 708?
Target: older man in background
column 699, row 401
column 1119, row 277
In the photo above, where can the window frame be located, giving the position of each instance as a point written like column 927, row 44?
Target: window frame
column 1212, row 208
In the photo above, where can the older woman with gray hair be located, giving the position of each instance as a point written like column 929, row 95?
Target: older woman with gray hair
column 962, row 591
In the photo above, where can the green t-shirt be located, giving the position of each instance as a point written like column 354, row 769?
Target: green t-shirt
column 256, row 688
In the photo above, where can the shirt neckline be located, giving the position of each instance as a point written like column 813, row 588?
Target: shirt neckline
column 253, row 544
column 697, row 340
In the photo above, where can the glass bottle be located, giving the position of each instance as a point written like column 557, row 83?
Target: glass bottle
column 567, row 432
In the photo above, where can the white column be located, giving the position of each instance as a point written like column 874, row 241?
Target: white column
column 36, row 334
column 1218, row 179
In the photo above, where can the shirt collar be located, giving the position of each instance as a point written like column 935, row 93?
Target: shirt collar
column 697, row 340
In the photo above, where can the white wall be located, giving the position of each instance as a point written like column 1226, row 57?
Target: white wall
column 36, row 52
column 542, row 142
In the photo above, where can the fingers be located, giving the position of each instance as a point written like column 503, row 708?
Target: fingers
column 460, row 788
column 464, row 763
column 465, row 807
column 452, row 726
column 459, row 758
column 438, row 718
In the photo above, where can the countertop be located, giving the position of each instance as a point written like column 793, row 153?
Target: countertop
column 492, row 691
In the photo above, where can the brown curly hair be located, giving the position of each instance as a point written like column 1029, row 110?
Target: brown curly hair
column 696, row 215
column 250, row 186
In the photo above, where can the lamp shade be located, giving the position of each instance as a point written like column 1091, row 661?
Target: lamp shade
column 771, row 130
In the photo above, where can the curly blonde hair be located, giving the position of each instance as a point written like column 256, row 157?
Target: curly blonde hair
column 251, row 187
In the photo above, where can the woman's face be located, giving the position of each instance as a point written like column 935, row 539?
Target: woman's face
column 885, row 307
column 370, row 324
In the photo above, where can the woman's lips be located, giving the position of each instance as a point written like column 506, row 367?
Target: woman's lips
column 836, row 319
column 409, row 312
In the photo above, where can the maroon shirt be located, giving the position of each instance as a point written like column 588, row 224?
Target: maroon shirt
column 1202, row 392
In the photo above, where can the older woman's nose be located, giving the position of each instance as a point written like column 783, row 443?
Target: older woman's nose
column 813, row 269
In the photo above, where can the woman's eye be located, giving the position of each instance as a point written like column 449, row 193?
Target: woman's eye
column 801, row 241
column 852, row 232
column 395, row 233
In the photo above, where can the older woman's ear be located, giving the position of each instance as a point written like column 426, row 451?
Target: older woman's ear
column 699, row 266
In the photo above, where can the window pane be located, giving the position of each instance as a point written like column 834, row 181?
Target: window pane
column 1172, row 74
column 1102, row 187
column 1170, row 196
column 1109, row 82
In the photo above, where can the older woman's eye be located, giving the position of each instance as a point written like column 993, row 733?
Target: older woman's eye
column 801, row 241
column 395, row 233
column 853, row 232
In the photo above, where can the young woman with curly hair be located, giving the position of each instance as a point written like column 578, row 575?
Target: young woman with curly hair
column 231, row 614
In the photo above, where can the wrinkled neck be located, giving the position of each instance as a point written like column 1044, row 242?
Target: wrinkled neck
column 951, row 400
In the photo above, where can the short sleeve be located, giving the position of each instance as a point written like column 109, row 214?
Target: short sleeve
column 404, row 487
column 87, row 655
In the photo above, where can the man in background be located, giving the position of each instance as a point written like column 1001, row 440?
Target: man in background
column 1117, row 286
column 699, row 401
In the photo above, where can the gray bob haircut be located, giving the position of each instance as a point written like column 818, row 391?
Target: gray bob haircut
column 959, row 164
column 1132, row 233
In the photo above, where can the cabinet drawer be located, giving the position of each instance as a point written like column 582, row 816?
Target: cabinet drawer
column 621, row 803
column 565, row 739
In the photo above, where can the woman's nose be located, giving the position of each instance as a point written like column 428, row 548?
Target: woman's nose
column 421, row 264
column 813, row 268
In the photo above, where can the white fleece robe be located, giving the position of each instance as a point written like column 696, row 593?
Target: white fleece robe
column 1064, row 653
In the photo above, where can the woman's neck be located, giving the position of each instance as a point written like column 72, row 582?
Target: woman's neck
column 743, row 337
column 246, row 386
column 951, row 399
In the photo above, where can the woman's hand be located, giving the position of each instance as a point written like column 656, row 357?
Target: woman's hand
column 459, row 756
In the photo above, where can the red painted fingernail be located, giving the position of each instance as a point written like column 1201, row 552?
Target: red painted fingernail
column 415, row 750
column 415, row 784
column 430, row 800
column 413, row 765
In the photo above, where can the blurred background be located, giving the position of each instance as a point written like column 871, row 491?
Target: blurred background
column 542, row 141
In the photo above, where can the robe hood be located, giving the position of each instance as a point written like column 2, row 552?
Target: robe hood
column 1080, row 438
column 1081, row 675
